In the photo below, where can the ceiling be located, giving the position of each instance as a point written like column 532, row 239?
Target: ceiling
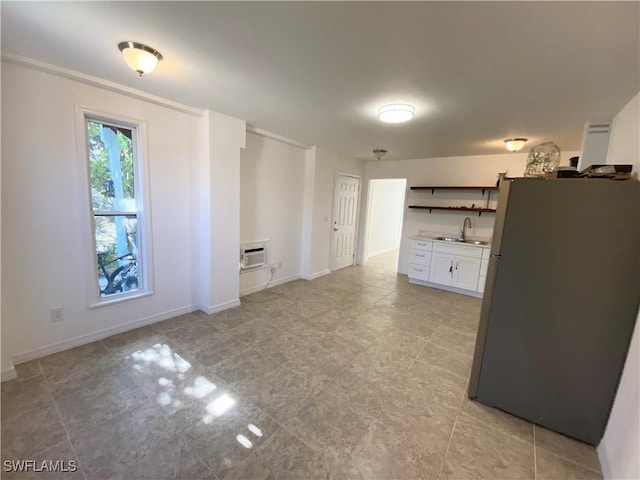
column 316, row 72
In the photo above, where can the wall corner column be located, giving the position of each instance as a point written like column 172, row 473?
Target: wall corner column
column 220, row 213
column 307, row 212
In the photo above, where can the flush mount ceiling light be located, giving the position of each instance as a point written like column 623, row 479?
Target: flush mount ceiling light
column 139, row 57
column 396, row 113
column 515, row 144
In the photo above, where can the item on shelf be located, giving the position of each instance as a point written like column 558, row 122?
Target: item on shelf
column 567, row 172
column 543, row 160
column 617, row 168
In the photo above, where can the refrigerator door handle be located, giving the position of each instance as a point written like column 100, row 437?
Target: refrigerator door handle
column 496, row 255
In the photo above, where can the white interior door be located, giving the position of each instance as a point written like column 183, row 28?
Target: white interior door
column 345, row 215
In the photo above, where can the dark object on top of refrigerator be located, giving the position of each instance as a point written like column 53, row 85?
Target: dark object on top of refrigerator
column 560, row 302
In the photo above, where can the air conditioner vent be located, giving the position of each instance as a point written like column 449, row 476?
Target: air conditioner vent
column 594, row 126
column 595, row 142
column 254, row 254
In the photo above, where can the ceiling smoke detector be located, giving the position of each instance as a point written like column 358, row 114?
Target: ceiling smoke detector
column 379, row 153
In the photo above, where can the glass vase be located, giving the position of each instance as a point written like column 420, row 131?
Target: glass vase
column 543, row 160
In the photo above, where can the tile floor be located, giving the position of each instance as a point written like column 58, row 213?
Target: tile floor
column 354, row 375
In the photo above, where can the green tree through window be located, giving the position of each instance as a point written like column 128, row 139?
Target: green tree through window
column 115, row 209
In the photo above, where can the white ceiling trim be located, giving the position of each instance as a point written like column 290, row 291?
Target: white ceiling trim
column 274, row 136
column 99, row 82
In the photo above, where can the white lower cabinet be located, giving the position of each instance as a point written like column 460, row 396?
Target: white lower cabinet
column 484, row 264
column 442, row 268
column 420, row 260
column 462, row 268
column 455, row 270
column 466, row 273
column 420, row 272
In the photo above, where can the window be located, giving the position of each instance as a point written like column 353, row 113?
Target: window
column 116, row 207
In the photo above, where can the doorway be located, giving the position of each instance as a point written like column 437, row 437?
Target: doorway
column 345, row 218
column 385, row 215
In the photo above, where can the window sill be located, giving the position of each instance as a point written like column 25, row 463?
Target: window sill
column 120, row 299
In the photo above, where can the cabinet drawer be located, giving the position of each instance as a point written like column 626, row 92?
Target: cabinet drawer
column 474, row 252
column 421, row 245
column 421, row 257
column 420, row 272
column 484, row 264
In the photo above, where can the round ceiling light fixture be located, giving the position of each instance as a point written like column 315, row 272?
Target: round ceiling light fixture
column 515, row 144
column 396, row 113
column 139, row 57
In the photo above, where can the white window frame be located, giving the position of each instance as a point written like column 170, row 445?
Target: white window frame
column 143, row 205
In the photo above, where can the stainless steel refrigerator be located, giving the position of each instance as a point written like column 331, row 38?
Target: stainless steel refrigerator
column 560, row 302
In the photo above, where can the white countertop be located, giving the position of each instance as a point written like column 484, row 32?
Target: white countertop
column 431, row 236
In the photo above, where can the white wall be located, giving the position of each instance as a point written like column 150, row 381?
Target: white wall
column 194, row 181
column 194, row 184
column 6, row 367
column 619, row 450
column 271, row 201
column 45, row 222
column 220, row 217
column 474, row 170
column 385, row 212
column 327, row 165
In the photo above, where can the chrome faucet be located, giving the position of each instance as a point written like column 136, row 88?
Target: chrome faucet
column 466, row 224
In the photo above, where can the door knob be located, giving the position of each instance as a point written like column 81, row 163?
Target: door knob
column 335, row 229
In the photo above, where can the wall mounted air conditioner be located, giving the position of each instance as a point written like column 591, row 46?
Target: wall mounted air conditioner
column 254, row 254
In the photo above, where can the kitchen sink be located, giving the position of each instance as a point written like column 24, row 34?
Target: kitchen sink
column 459, row 240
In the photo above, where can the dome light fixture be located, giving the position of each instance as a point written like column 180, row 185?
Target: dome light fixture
column 396, row 113
column 139, row 57
column 515, row 144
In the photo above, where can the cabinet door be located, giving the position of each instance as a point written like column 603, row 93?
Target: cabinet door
column 466, row 272
column 442, row 268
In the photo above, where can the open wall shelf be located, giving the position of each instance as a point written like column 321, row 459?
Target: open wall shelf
column 479, row 210
column 433, row 189
column 459, row 209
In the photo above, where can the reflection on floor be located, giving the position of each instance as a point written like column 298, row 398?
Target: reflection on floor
column 357, row 374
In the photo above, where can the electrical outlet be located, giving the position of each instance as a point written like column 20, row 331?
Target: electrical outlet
column 57, row 314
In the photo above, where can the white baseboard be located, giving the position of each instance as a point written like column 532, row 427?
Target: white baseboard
column 274, row 283
column 220, row 306
column 469, row 293
column 8, row 374
column 99, row 335
column 319, row 274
